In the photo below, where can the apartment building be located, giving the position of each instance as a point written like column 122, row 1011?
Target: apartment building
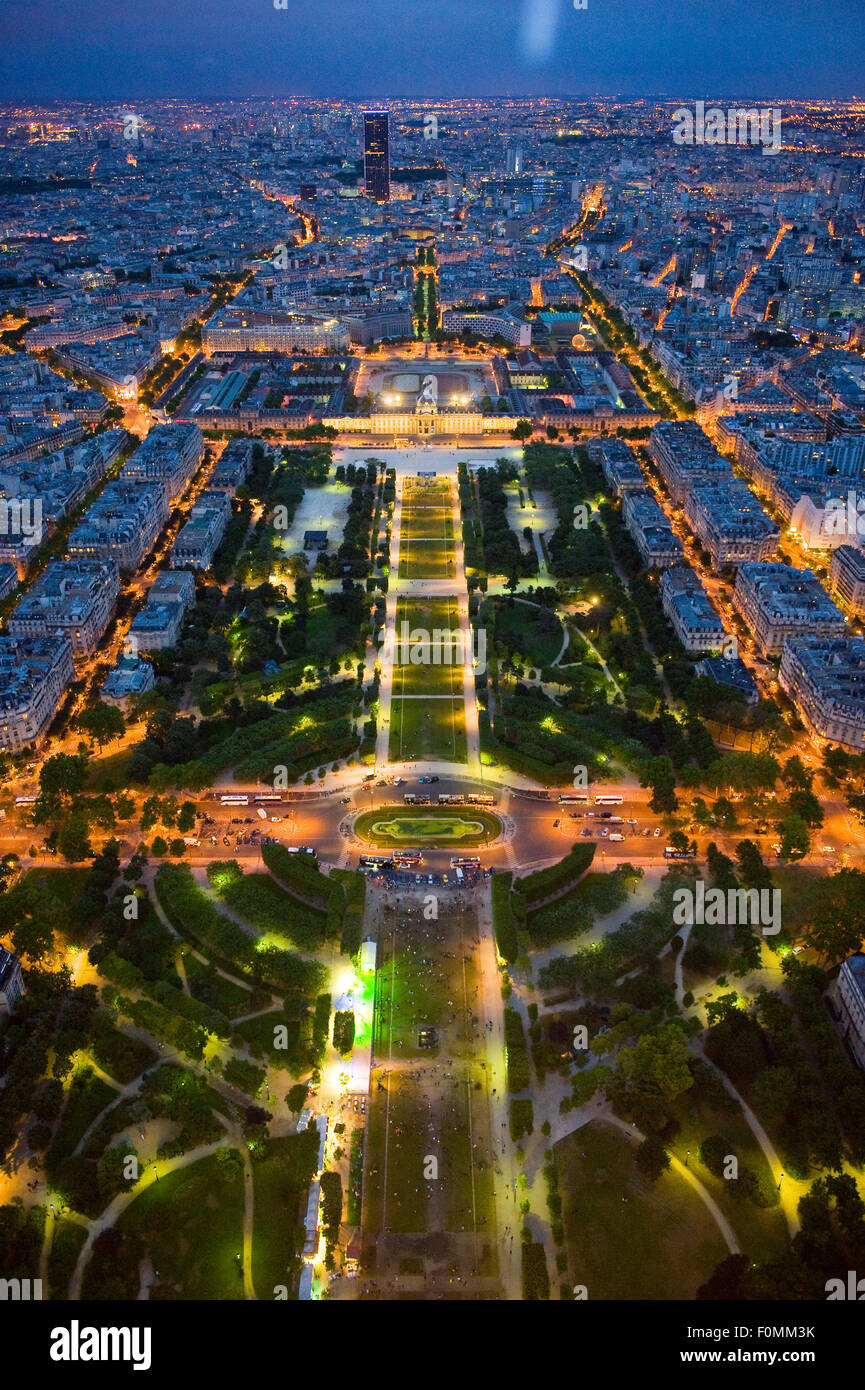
column 687, row 605
column 847, row 578
column 73, row 597
column 777, row 601
column 650, row 530
column 685, row 455
column 848, row 995
column 123, row 524
column 825, row 676
column 730, row 522
column 200, row 538
column 35, row 673
column 171, row 455
column 618, row 465
column 11, row 981
column 233, row 468
column 160, row 622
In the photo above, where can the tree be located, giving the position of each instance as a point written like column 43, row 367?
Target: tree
column 795, row 838
column 159, row 848
column 522, row 430
column 103, row 722
column 150, row 812
column 837, row 926
column 652, row 1158
column 186, row 817
column 73, row 839
column 63, row 775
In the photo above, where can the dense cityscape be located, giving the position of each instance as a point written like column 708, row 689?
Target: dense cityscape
column 432, row 673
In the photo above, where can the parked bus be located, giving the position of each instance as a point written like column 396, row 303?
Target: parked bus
column 375, row 861
column 411, row 800
column 268, row 796
column 452, row 799
column 670, row 853
column 609, row 799
column 235, row 799
column 574, row 798
column 475, row 799
column 465, row 861
column 24, row 800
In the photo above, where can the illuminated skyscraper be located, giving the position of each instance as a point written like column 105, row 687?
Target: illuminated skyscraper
column 376, row 155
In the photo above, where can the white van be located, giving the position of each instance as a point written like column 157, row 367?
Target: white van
column 617, row 837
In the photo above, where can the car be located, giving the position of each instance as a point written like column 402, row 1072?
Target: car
column 422, row 779
column 657, row 832
column 213, row 840
column 587, row 831
column 276, row 819
column 225, row 840
column 604, row 831
column 648, row 830
column 556, row 824
column 434, row 779
column 400, row 781
column 345, row 801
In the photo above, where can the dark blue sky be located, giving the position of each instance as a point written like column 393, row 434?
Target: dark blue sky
column 124, row 49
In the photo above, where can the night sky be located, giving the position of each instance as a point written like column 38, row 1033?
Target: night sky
column 119, row 49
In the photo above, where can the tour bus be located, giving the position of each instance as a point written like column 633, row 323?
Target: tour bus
column 609, row 799
column 452, row 799
column 24, row 800
column 574, row 798
column 234, row 799
column 375, row 861
column 411, row 800
column 465, row 861
column 476, row 799
column 260, row 811
column 268, row 796
column 670, row 853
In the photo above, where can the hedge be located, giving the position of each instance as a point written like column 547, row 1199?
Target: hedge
column 191, row 913
column 516, row 1053
column 535, row 887
column 504, row 925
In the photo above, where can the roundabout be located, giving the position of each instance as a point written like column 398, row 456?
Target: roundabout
column 460, row 827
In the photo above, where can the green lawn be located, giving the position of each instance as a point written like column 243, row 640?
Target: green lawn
column 192, row 1224
column 421, row 729
column 280, row 1182
column 427, row 523
column 626, row 1238
column 403, row 825
column 535, row 633
column 427, row 560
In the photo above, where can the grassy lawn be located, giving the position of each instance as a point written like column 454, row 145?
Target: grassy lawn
column 406, row 1208
column 422, row 730
column 280, row 1180
column 192, row 1224
column 762, row 1231
column 427, row 560
column 410, row 997
column 535, row 633
column 427, row 523
column 400, row 825
column 659, row 1243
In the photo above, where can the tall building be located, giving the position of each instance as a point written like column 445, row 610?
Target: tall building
column 376, row 155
